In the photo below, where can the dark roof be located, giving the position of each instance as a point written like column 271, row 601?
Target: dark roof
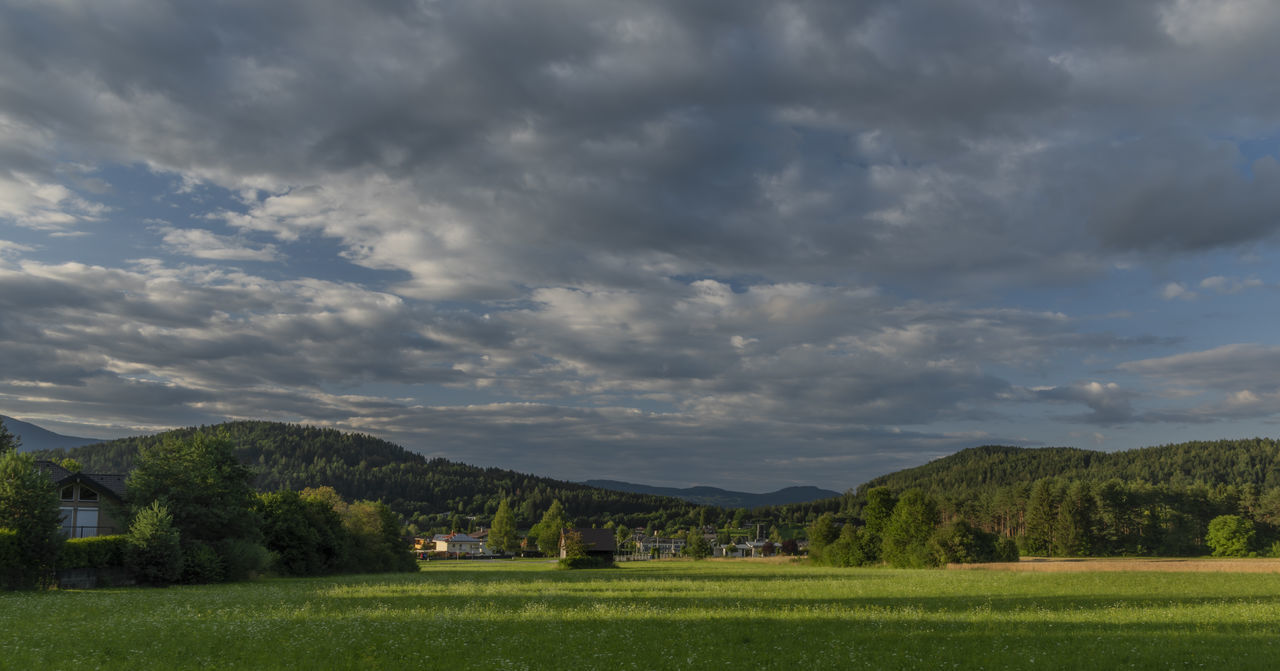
column 111, row 483
column 598, row 540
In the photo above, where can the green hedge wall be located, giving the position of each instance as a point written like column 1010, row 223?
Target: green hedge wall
column 94, row 552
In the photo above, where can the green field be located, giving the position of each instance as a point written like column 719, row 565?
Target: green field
column 659, row 615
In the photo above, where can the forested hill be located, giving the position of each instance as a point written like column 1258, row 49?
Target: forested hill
column 1226, row 462
column 429, row 492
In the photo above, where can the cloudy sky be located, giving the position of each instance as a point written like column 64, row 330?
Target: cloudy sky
column 747, row 244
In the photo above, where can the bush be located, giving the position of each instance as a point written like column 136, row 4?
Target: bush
column 1230, row 536
column 960, row 543
column 201, row 564
column 1007, row 550
column 242, row 559
column 585, row 562
column 154, row 552
column 94, row 552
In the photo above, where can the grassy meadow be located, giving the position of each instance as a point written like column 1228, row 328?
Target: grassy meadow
column 659, row 615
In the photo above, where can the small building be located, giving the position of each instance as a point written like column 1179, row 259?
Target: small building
column 458, row 543
column 659, row 546
column 599, row 542
column 90, row 502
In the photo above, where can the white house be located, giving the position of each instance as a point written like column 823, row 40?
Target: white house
column 458, row 543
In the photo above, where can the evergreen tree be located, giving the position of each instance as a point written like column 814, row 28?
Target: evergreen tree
column 154, row 552
column 1041, row 515
column 1074, row 534
column 8, row 441
column 502, row 535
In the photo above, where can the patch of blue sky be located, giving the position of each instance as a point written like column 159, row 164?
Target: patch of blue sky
column 142, row 204
column 1252, row 149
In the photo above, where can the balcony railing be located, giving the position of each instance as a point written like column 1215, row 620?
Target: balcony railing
column 87, row 532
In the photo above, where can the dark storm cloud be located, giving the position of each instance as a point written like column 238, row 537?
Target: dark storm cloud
column 778, row 138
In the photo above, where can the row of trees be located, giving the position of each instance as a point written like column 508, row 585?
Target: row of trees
column 195, row 517
column 434, row 495
column 203, row 521
column 1049, row 517
column 906, row 531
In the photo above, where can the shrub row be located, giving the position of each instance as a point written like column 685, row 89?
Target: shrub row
column 95, row 552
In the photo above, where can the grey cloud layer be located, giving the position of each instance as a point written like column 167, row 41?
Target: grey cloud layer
column 769, row 224
column 804, row 141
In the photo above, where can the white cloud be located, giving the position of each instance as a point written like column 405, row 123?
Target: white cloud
column 1229, row 285
column 204, row 244
column 1177, row 291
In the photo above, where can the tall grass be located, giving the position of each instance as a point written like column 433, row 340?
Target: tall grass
column 659, row 615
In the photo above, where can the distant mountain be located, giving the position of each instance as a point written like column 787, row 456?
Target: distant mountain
column 714, row 496
column 36, row 438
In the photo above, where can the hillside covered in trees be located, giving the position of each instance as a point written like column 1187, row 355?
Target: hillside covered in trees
column 1061, row 501
column 430, row 493
column 1254, row 461
column 1070, row 502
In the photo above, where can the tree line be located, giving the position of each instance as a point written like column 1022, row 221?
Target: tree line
column 434, row 495
column 194, row 517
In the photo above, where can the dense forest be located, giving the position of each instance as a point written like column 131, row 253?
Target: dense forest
column 1072, row 502
column 1254, row 461
column 432, row 494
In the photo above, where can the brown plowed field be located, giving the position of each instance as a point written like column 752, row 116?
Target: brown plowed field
column 1036, row 564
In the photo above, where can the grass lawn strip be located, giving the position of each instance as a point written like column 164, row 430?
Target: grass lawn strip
column 660, row 615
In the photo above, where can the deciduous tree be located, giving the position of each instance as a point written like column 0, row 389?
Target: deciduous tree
column 547, row 531
column 29, row 507
column 906, row 535
column 1230, row 536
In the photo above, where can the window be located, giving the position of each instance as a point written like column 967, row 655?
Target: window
column 69, row 493
column 86, row 522
column 68, row 521
column 87, row 494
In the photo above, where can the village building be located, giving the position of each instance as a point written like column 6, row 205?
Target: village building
column 458, row 543
column 91, row 503
column 599, row 542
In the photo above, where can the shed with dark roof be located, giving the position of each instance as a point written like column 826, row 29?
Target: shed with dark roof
column 599, row 542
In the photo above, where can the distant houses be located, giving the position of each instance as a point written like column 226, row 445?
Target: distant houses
column 457, row 544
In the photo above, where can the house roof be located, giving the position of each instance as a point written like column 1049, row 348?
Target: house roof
column 110, row 483
column 456, row 537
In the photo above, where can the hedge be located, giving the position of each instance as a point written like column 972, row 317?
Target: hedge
column 94, row 552
column 10, row 556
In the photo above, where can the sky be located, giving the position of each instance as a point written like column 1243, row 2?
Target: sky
column 749, row 244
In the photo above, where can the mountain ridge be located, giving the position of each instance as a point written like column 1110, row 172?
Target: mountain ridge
column 36, row 438
column 724, row 498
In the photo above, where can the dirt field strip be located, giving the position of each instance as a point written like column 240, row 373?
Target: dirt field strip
column 1068, row 565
